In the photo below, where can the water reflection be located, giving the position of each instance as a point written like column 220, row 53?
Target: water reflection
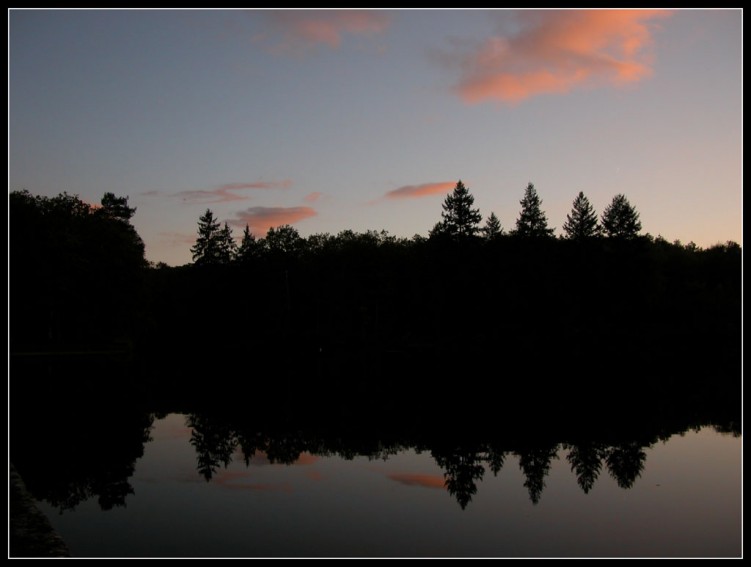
column 625, row 463
column 463, row 468
column 76, row 436
column 586, row 462
column 535, row 463
column 77, row 432
column 216, row 441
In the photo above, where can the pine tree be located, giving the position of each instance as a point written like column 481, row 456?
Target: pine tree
column 492, row 228
column 227, row 246
column 116, row 207
column 207, row 249
column 620, row 219
column 582, row 222
column 532, row 221
column 438, row 230
column 248, row 246
column 459, row 218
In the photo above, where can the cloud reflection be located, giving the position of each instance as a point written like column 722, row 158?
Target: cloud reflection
column 413, row 479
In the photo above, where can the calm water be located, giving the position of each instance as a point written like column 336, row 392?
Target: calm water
column 675, row 497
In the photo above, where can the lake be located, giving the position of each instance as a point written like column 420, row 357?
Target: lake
column 684, row 502
column 194, row 464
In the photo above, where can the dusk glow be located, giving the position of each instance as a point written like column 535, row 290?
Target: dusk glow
column 312, row 117
column 460, row 283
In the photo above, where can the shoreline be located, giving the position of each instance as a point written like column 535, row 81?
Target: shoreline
column 31, row 534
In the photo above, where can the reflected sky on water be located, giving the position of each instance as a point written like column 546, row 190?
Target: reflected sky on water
column 685, row 502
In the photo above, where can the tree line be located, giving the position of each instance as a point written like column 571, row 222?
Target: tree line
column 78, row 276
column 460, row 220
column 76, row 271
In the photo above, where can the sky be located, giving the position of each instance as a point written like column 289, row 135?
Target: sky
column 332, row 120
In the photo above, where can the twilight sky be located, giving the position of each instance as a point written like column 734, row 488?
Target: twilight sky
column 332, row 120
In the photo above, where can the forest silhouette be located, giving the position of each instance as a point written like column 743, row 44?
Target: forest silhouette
column 600, row 302
column 476, row 344
column 473, row 344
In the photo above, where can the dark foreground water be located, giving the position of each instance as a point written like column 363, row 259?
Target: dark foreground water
column 684, row 500
column 221, row 467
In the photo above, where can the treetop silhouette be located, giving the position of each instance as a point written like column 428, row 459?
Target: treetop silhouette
column 459, row 219
column 581, row 223
column 532, row 221
column 492, row 228
column 620, row 219
column 214, row 244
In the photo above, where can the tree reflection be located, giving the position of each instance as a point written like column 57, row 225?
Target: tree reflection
column 495, row 458
column 285, row 449
column 625, row 463
column 535, row 463
column 67, row 443
column 95, row 447
column 213, row 441
column 250, row 443
column 462, row 468
column 586, row 462
column 87, row 463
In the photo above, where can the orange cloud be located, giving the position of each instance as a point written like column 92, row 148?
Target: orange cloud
column 226, row 192
column 304, row 29
column 426, row 480
column 261, row 219
column 423, row 190
column 555, row 51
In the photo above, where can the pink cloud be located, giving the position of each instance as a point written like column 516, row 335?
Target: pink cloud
column 423, row 190
column 261, row 219
column 426, row 480
column 312, row 197
column 226, row 192
column 555, row 51
column 303, row 29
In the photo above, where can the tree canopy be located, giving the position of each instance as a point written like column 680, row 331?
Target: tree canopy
column 459, row 219
column 249, row 247
column 116, row 207
column 75, row 268
column 214, row 244
column 581, row 223
column 492, row 228
column 620, row 219
column 532, row 221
